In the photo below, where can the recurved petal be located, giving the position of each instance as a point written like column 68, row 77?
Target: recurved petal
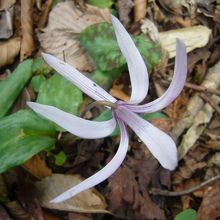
column 73, row 75
column 104, row 173
column 137, row 68
column 176, row 86
column 75, row 125
column 159, row 143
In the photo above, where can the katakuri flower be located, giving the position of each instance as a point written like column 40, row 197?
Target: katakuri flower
column 124, row 113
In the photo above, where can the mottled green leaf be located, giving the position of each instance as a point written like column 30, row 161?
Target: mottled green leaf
column 11, row 87
column 100, row 42
column 102, row 3
column 60, row 93
column 188, row 214
column 22, row 135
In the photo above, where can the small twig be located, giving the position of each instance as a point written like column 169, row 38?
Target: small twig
column 200, row 88
column 162, row 192
column 210, row 102
column 102, row 103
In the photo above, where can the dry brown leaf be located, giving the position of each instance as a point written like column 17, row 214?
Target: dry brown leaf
column 210, row 207
column 50, row 216
column 124, row 8
column 9, row 50
column 37, row 167
column 5, row 4
column 89, row 201
column 117, row 92
column 3, row 214
column 60, row 36
column 27, row 42
column 17, row 211
column 140, row 9
column 6, row 19
column 74, row 216
column 193, row 37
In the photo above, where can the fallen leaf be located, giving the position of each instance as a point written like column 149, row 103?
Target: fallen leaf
column 6, row 19
column 124, row 8
column 74, row 216
column 17, row 211
column 89, row 201
column 37, row 167
column 193, row 37
column 66, row 21
column 9, row 50
column 140, row 9
column 209, row 208
column 128, row 195
column 27, row 42
column 3, row 214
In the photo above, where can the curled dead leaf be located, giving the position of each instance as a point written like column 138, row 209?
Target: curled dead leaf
column 193, row 37
column 9, row 50
column 27, row 43
column 37, row 167
column 65, row 22
column 89, row 201
column 209, row 208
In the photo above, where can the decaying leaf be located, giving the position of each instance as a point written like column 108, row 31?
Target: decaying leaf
column 124, row 9
column 66, row 21
column 196, row 103
column 128, row 187
column 197, row 114
column 9, row 50
column 27, row 42
column 17, row 211
column 3, row 214
column 89, row 201
column 193, row 37
column 140, row 9
column 6, row 18
column 37, row 167
column 209, row 208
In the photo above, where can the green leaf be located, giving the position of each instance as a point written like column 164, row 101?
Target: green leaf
column 22, row 135
column 101, row 3
column 100, row 42
column 60, row 158
column 37, row 82
column 60, row 93
column 11, row 87
column 40, row 67
column 188, row 214
column 105, row 78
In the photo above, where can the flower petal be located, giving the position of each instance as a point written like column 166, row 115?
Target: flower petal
column 75, row 125
column 136, row 66
column 160, row 144
column 176, row 86
column 104, row 173
column 73, row 75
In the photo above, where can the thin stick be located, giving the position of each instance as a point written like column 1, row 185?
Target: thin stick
column 102, row 103
column 210, row 102
column 162, row 192
column 200, row 88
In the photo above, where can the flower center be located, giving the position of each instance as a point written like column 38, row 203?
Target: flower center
column 99, row 103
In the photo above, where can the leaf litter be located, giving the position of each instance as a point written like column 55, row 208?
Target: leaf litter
column 125, row 199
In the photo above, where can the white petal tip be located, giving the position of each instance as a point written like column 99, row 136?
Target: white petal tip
column 55, row 201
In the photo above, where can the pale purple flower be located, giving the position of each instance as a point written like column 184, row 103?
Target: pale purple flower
column 160, row 144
